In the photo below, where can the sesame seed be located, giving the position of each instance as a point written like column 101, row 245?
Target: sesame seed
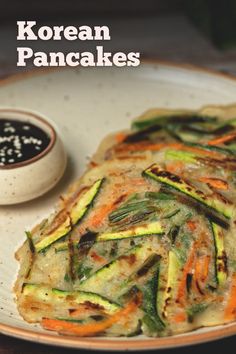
column 20, row 141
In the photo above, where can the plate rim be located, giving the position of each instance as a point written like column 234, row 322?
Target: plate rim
column 33, row 72
column 182, row 340
column 189, row 338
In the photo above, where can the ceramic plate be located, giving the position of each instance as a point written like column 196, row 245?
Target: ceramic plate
column 86, row 105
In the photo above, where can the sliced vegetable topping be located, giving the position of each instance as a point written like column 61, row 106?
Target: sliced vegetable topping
column 215, row 182
column 151, row 322
column 74, row 214
column 230, row 309
column 90, row 329
column 178, row 119
column 220, row 256
column 185, row 156
column 55, row 235
column 186, row 277
column 195, row 310
column 172, row 276
column 113, row 273
column 80, row 207
column 222, row 140
column 55, row 297
column 153, row 228
column 156, row 253
column 139, row 208
column 32, row 253
column 210, row 150
column 151, row 262
column 176, row 182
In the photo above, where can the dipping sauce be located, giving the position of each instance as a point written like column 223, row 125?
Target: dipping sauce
column 20, row 141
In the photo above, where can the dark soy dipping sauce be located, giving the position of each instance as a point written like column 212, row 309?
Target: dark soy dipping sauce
column 20, row 141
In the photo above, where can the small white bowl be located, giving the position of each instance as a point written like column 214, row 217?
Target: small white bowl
column 32, row 178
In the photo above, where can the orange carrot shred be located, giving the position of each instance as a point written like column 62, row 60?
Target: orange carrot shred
column 191, row 225
column 215, row 182
column 175, row 167
column 96, row 257
column 90, row 329
column 197, row 150
column 223, row 139
column 179, row 317
column 181, row 292
column 139, row 182
column 202, row 268
column 230, row 310
column 120, row 137
column 100, row 215
column 142, row 147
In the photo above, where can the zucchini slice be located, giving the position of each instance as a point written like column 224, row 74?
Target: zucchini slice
column 81, row 206
column 220, row 255
column 195, row 310
column 164, row 177
column 184, row 156
column 108, row 280
column 172, row 277
column 75, row 214
column 31, row 257
column 220, row 150
column 149, row 264
column 60, row 232
column 153, row 228
column 55, row 297
column 61, row 246
column 152, row 323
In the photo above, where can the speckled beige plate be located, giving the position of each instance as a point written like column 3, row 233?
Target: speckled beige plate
column 86, row 105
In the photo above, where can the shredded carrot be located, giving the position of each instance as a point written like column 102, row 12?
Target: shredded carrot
column 179, row 317
column 90, row 329
column 102, row 211
column 138, row 182
column 215, row 182
column 191, row 225
column 100, row 215
column 120, row 137
column 202, row 268
column 175, row 167
column 140, row 147
column 129, row 157
column 98, row 258
column 187, row 269
column 230, row 310
column 223, row 139
column 93, row 164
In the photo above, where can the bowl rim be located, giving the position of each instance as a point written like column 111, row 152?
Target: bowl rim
column 36, row 116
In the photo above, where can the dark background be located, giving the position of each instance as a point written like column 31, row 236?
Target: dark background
column 215, row 18
column 201, row 32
